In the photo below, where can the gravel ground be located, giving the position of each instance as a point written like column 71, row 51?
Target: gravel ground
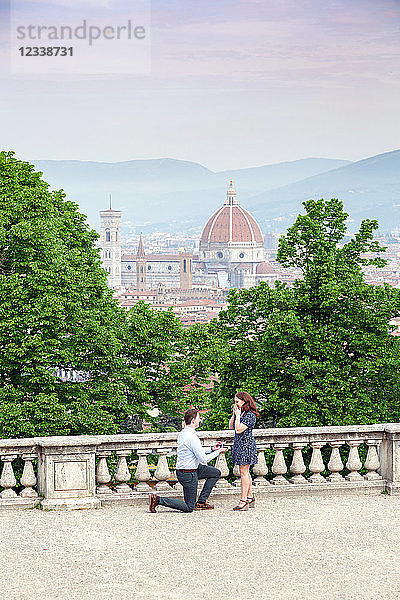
column 323, row 548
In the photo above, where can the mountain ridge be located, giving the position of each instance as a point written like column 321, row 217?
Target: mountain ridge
column 165, row 189
column 369, row 188
column 170, row 192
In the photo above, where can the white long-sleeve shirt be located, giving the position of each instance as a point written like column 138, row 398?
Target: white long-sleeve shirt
column 190, row 452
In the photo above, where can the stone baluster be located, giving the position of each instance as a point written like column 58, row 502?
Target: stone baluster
column 372, row 461
column 162, row 472
column 335, row 464
column 236, row 471
column 123, row 474
column 142, row 474
column 354, row 463
column 298, row 467
column 260, row 469
column 28, row 478
column 316, row 464
column 7, row 480
column 222, row 465
column 279, row 467
column 103, row 474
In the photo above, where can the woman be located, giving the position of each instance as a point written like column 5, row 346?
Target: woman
column 244, row 451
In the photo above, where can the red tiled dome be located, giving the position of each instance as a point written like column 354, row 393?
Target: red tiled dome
column 265, row 268
column 231, row 224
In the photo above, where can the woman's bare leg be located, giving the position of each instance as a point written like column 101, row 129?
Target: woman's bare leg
column 250, row 489
column 245, row 481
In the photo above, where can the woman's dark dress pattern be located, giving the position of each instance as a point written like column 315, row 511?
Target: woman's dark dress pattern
column 244, row 450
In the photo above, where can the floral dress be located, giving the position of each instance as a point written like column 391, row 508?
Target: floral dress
column 244, row 450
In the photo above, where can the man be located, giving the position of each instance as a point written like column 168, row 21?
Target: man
column 191, row 465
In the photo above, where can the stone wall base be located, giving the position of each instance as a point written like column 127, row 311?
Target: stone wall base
column 269, row 490
column 15, row 503
column 393, row 489
column 70, row 503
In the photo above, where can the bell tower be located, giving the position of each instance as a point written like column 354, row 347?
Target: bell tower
column 140, row 267
column 110, row 242
column 185, row 272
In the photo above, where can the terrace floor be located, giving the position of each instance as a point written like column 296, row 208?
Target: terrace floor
column 298, row 548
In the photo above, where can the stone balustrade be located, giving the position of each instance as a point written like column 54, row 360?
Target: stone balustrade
column 91, row 471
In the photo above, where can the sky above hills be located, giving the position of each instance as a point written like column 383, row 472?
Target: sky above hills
column 232, row 84
column 172, row 195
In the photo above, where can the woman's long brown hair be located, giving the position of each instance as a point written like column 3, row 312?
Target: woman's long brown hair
column 249, row 403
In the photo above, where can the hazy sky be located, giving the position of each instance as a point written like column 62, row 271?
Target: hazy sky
column 233, row 83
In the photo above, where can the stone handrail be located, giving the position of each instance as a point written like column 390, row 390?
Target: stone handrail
column 90, row 471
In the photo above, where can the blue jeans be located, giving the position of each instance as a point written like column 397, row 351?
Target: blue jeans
column 189, row 483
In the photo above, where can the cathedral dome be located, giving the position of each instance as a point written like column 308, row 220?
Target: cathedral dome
column 231, row 223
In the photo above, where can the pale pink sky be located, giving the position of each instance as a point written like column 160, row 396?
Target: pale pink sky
column 232, row 84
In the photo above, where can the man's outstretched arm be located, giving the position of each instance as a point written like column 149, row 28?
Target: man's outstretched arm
column 198, row 451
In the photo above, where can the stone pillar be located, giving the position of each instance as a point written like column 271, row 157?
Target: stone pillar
column 222, row 465
column 142, row 475
column 354, row 463
column 66, row 472
column 103, row 474
column 335, row 464
column 28, row 479
column 162, row 472
column 260, row 469
column 237, row 482
column 298, row 467
column 316, row 463
column 372, row 461
column 389, row 455
column 7, row 480
column 279, row 467
column 123, row 474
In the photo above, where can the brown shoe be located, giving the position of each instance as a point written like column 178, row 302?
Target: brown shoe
column 153, row 502
column 243, row 505
column 203, row 506
column 251, row 502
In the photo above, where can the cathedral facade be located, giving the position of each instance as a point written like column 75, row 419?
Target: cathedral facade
column 231, row 248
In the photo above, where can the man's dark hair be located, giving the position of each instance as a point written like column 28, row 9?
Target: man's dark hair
column 190, row 414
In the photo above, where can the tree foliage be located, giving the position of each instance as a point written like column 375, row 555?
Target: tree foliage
column 57, row 311
column 320, row 353
column 167, row 359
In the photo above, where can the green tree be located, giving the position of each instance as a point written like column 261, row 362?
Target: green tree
column 55, row 311
column 320, row 353
column 172, row 363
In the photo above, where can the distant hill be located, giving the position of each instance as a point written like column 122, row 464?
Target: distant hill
column 369, row 188
column 166, row 193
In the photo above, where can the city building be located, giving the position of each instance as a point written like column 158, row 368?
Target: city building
column 231, row 254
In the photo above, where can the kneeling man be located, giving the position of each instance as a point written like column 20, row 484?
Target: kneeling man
column 191, row 465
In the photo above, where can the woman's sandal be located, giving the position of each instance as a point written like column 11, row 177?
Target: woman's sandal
column 251, row 502
column 243, row 506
